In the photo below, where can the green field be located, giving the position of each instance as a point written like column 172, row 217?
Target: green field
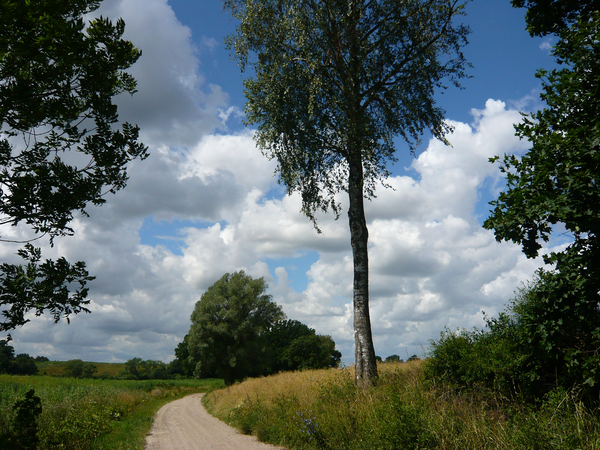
column 81, row 414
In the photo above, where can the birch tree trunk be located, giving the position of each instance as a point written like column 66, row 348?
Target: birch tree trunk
column 366, row 364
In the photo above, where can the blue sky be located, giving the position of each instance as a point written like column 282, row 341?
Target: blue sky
column 206, row 203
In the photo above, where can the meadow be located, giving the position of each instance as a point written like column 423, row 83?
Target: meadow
column 82, row 414
column 324, row 410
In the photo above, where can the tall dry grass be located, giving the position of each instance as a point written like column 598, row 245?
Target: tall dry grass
column 324, row 410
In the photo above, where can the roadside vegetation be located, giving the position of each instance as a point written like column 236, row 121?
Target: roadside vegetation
column 323, row 409
column 42, row 412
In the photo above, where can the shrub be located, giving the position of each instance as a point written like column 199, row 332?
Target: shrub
column 528, row 350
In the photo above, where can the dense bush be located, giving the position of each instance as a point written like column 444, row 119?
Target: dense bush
column 534, row 346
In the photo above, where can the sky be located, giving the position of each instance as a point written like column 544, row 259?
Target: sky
column 206, row 202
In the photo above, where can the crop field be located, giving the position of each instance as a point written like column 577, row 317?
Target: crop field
column 81, row 414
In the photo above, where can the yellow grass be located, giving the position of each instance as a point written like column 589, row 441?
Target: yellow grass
column 303, row 386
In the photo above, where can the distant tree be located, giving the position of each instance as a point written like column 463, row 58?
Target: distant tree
column 89, row 370
column 42, row 359
column 77, row 368
column 21, row 364
column 413, row 358
column 139, row 369
column 227, row 335
column 334, row 82
column 378, row 359
column 24, row 364
column 279, row 337
column 311, row 352
column 181, row 365
column 60, row 146
column 7, row 355
column 393, row 358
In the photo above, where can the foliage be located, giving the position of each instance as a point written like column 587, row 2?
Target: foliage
column 494, row 359
column 552, row 16
column 227, row 335
column 60, row 146
column 7, row 356
column 23, row 435
column 393, row 358
column 238, row 332
column 77, row 368
column 334, row 82
column 138, row 369
column 555, row 186
column 181, row 364
column 280, row 336
column 324, row 410
column 41, row 287
column 84, row 414
column 24, row 365
column 311, row 352
column 21, row 364
column 295, row 346
column 524, row 352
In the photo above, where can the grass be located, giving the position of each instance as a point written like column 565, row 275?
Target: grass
column 324, row 410
column 93, row 414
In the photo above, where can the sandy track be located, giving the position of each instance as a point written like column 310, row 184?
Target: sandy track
column 185, row 424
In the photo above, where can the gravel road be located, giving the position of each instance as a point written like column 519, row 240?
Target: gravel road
column 185, row 424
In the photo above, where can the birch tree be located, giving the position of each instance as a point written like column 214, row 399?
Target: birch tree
column 332, row 84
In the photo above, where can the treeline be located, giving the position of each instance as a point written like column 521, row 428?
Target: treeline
column 135, row 368
column 21, row 364
column 238, row 331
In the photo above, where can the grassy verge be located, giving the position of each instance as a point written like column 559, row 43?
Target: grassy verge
column 324, row 410
column 92, row 414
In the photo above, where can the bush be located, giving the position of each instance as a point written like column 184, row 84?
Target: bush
column 527, row 351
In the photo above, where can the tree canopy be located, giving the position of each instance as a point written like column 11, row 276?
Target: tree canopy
column 294, row 346
column 334, row 83
column 555, row 187
column 60, row 146
column 226, row 338
column 21, row 364
column 552, row 16
column 237, row 331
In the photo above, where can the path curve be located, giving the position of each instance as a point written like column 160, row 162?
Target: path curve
column 185, row 424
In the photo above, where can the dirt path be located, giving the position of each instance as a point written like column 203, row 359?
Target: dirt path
column 186, row 425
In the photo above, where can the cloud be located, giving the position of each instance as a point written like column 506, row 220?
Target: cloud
column 432, row 265
column 546, row 45
column 173, row 105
